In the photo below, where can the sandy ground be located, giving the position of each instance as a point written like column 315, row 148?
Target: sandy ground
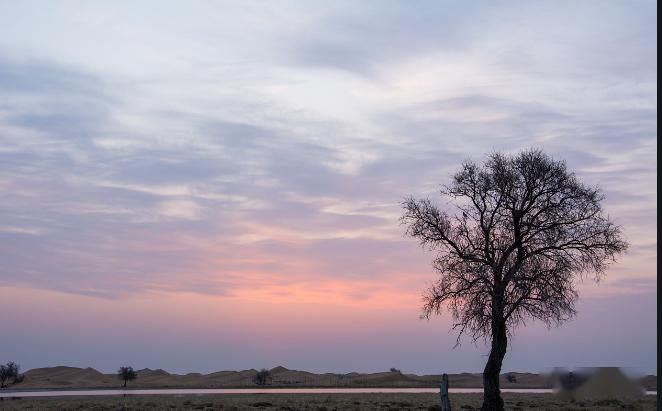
column 72, row 377
column 317, row 402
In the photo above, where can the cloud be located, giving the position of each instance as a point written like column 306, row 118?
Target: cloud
column 187, row 210
column 36, row 76
column 362, row 38
column 279, row 154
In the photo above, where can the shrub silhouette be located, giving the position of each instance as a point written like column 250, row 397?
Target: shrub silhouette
column 126, row 374
column 262, row 376
column 10, row 371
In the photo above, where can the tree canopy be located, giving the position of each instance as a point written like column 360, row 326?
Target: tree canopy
column 517, row 234
column 126, row 374
column 9, row 371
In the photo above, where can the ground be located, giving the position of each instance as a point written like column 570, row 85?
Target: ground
column 315, row 402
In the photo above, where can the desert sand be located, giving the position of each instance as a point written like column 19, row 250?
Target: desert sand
column 72, row 377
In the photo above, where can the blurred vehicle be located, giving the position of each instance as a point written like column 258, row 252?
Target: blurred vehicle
column 595, row 384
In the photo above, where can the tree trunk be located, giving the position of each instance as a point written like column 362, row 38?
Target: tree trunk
column 492, row 400
column 124, row 383
column 443, row 391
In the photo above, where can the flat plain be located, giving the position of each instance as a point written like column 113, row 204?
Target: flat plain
column 316, row 402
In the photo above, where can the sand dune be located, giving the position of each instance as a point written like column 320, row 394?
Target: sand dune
column 72, row 377
column 66, row 377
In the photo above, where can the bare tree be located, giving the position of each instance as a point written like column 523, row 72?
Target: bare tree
column 9, row 371
column 4, row 375
column 523, row 231
column 14, row 372
column 262, row 376
column 126, row 374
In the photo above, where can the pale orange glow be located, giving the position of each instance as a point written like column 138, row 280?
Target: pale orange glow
column 356, row 294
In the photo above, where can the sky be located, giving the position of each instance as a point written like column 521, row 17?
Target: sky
column 207, row 185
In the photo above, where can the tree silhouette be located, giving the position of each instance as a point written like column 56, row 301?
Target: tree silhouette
column 524, row 230
column 262, row 376
column 9, row 371
column 126, row 374
column 4, row 375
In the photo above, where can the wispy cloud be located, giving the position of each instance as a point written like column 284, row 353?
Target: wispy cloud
column 236, row 144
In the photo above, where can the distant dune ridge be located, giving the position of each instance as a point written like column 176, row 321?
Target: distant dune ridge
column 73, row 377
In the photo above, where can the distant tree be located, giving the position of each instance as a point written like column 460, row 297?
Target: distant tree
column 262, row 376
column 4, row 375
column 126, row 374
column 510, row 377
column 524, row 230
column 14, row 371
column 9, row 371
column 393, row 369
